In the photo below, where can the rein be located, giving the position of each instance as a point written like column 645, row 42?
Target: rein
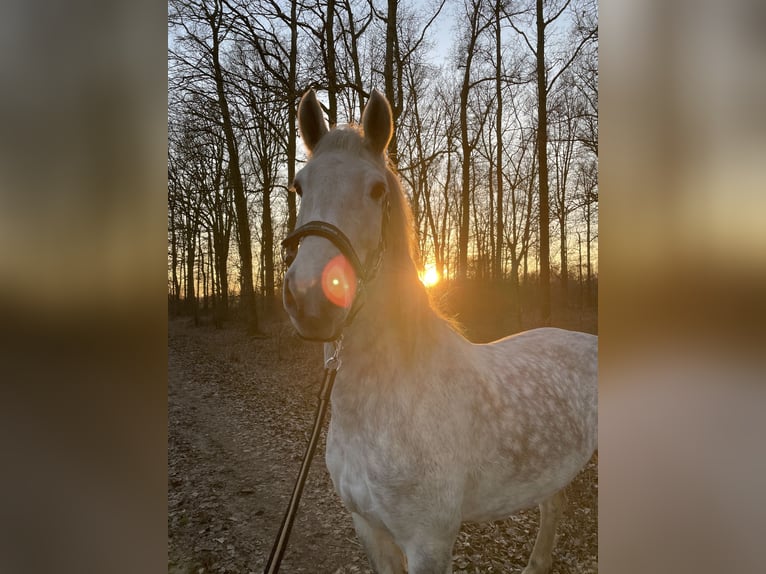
column 364, row 274
column 331, row 367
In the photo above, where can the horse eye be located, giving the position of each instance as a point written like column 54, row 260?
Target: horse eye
column 377, row 191
column 297, row 188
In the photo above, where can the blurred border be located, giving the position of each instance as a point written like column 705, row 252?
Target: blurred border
column 83, row 404
column 83, row 287
column 683, row 277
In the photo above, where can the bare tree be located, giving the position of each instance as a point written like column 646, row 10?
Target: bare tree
column 587, row 183
column 261, row 26
column 547, row 73
column 173, row 240
column 477, row 23
column 353, row 29
column 218, row 218
column 205, row 27
column 330, row 67
column 187, row 175
column 292, row 110
column 263, row 124
column 497, row 270
column 489, row 150
column 542, row 155
column 563, row 131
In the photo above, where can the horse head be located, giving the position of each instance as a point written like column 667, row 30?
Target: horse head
column 339, row 239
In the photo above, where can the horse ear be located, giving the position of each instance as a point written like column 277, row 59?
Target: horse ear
column 311, row 120
column 377, row 123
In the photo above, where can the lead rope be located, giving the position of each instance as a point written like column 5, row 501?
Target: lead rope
column 331, row 367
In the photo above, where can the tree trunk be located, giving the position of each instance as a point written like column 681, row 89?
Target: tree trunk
column 422, row 183
column 477, row 243
column 563, row 160
column 388, row 74
column 465, row 194
column 358, row 83
column 191, row 302
column 332, row 78
column 176, row 288
column 465, row 197
column 292, row 104
column 247, row 292
column 497, row 263
column 579, row 268
column 542, row 153
column 267, row 234
column 223, row 279
column 491, row 231
column 221, row 237
column 443, row 233
column 202, row 272
column 587, row 250
column 434, row 233
column 215, row 281
column 564, row 259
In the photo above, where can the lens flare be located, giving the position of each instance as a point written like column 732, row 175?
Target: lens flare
column 339, row 282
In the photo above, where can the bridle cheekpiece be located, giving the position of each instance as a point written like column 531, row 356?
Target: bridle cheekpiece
column 365, row 273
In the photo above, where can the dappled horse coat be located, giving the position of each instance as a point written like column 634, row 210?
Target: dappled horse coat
column 427, row 429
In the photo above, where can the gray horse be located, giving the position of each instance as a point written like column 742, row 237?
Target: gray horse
column 428, row 430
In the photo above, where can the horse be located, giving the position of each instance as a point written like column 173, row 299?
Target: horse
column 427, row 429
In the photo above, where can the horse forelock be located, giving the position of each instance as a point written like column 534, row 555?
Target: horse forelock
column 348, row 138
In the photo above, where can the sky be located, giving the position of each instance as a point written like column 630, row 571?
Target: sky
column 442, row 33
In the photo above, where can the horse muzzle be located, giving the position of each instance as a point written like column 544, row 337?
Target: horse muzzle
column 319, row 300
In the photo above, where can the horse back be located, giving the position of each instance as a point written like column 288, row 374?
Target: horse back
column 534, row 418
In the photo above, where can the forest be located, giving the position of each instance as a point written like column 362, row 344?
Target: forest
column 495, row 106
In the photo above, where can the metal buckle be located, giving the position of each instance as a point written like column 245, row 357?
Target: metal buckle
column 333, row 362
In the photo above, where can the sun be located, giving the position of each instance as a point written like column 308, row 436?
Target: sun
column 430, row 276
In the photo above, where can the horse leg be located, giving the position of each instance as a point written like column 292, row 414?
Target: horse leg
column 382, row 552
column 550, row 511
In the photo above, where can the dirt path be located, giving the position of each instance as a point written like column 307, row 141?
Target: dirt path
column 239, row 412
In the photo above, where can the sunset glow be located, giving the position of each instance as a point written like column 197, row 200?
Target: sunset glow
column 430, row 276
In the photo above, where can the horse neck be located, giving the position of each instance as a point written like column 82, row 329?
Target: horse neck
column 396, row 321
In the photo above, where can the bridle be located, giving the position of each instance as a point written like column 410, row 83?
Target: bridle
column 365, row 273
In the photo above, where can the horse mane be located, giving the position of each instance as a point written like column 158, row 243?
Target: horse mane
column 347, row 138
column 417, row 319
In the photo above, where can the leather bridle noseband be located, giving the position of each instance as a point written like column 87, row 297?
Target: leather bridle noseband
column 365, row 273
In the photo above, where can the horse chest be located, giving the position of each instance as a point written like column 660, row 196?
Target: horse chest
column 349, row 461
column 369, row 469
